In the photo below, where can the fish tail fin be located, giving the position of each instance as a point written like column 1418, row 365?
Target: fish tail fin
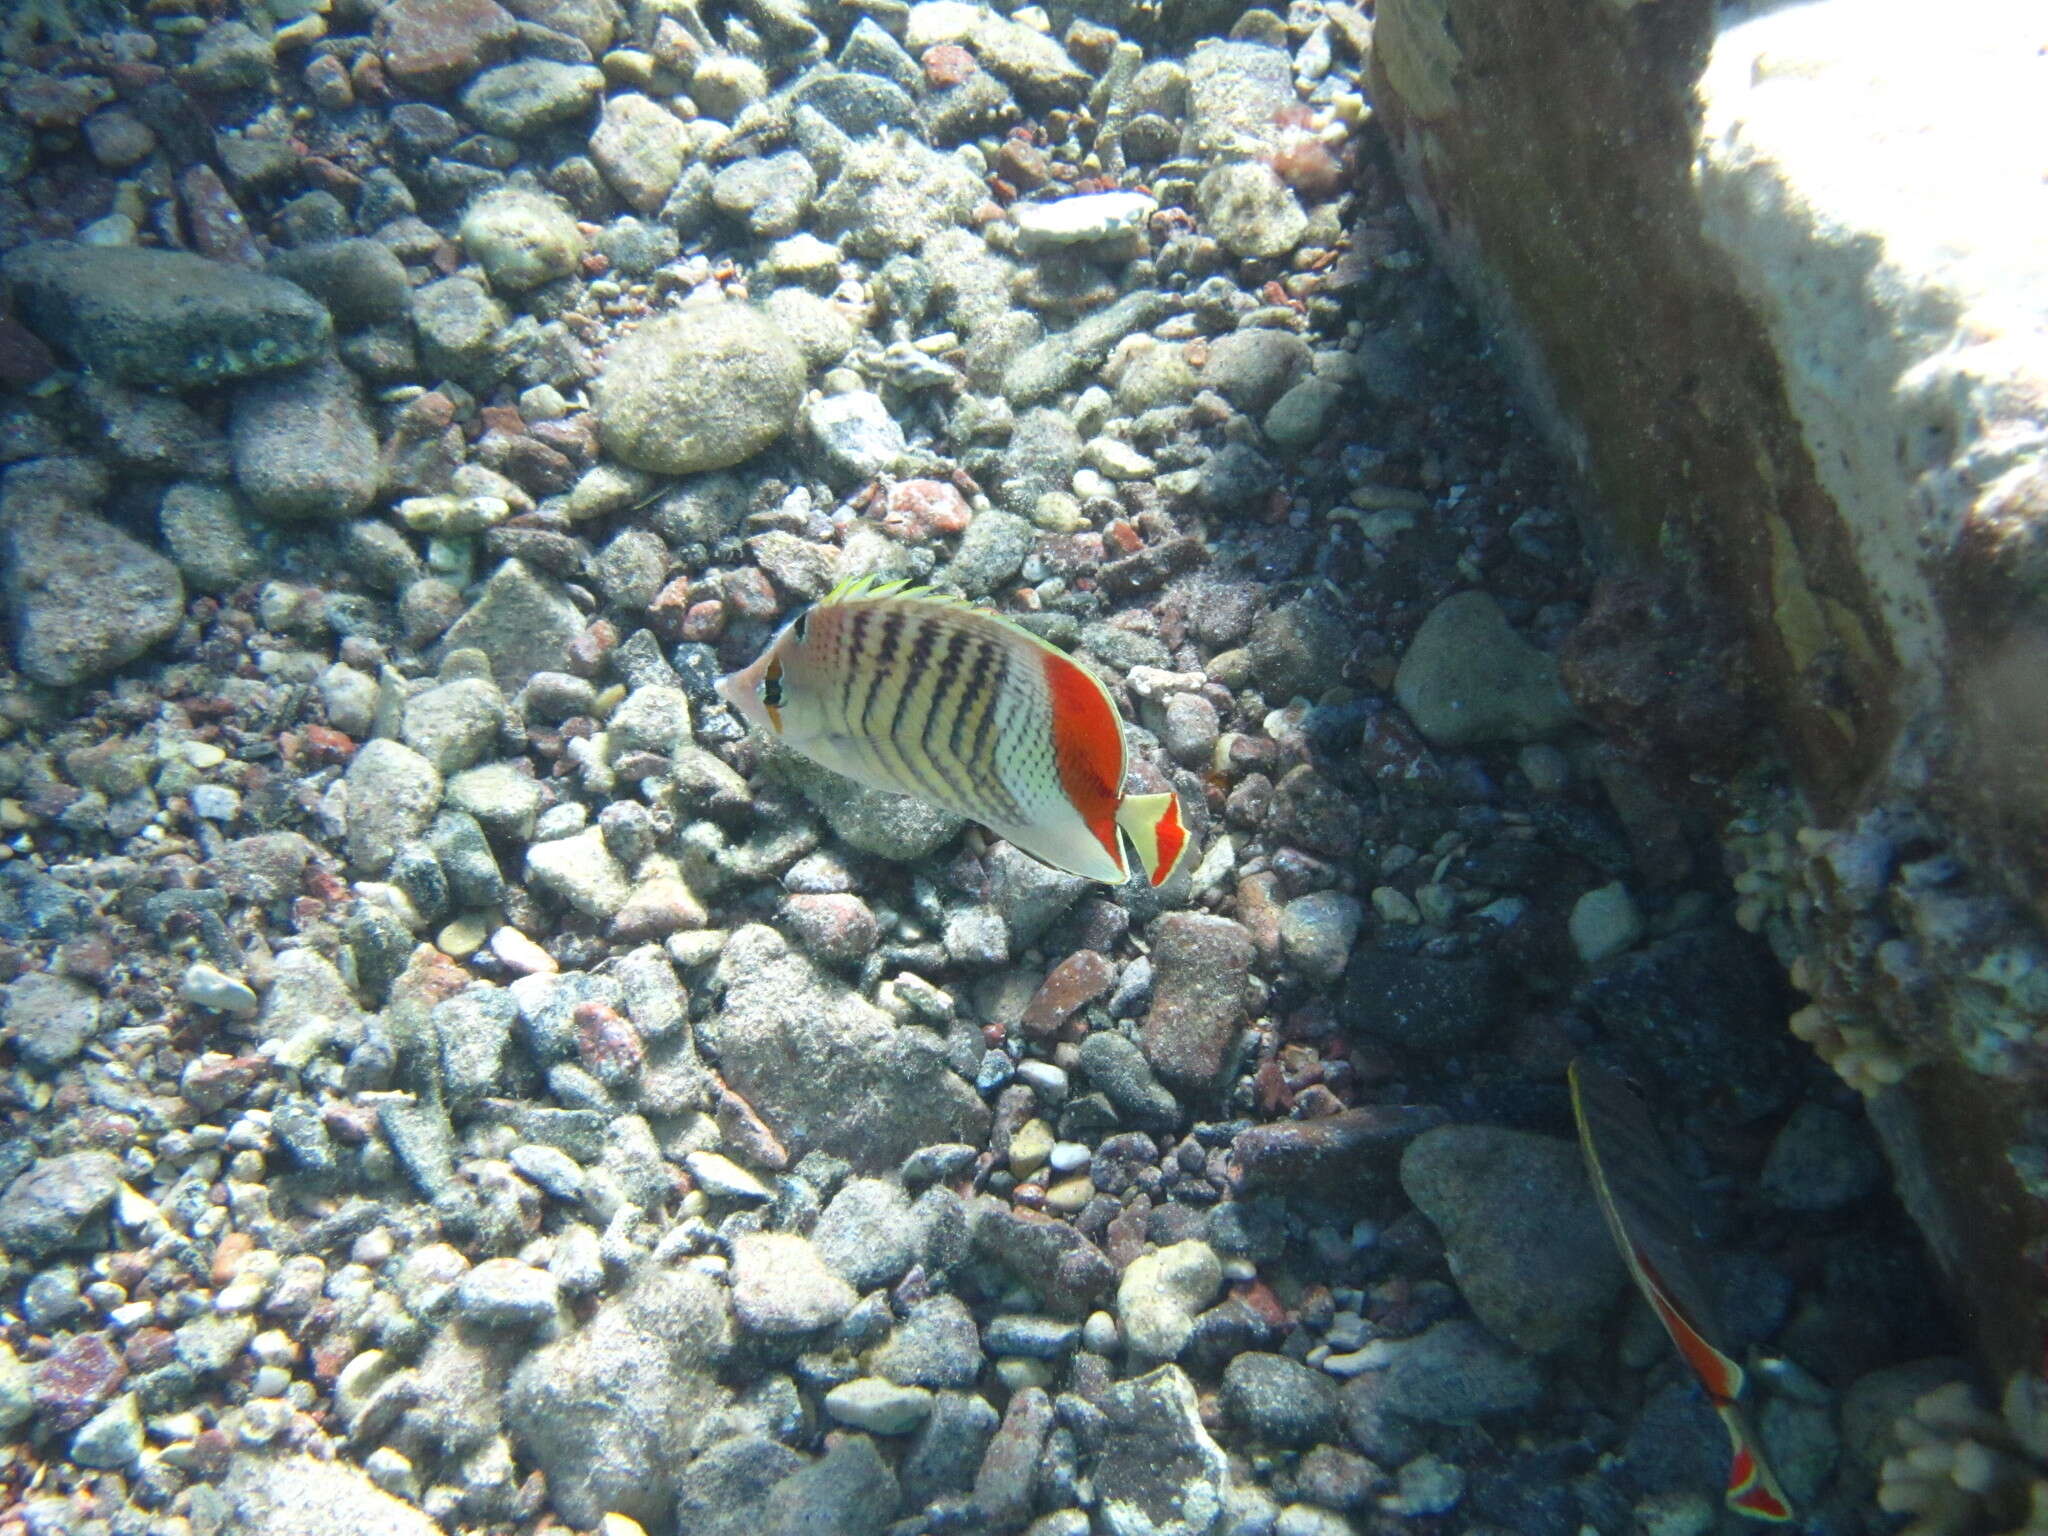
column 1752, row 1488
column 1157, row 830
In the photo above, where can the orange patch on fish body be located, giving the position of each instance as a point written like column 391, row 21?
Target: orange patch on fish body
column 1088, row 745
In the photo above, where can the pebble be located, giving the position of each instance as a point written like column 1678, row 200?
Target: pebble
column 508, row 1295
column 1467, row 677
column 878, row 1406
column 1521, row 1227
column 521, row 239
column 111, row 1438
column 1604, row 922
column 781, row 1285
column 1281, row 1401
column 1159, row 1295
column 703, row 389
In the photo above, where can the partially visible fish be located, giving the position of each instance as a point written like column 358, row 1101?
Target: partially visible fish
column 1644, row 1201
column 922, row 695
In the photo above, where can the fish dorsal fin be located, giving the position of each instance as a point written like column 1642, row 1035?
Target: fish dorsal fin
column 864, row 589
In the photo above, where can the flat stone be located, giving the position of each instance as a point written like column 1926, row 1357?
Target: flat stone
column 164, row 318
column 701, row 389
column 1200, row 964
column 52, row 1205
column 780, row 1285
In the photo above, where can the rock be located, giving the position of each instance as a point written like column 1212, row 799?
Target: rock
column 1318, row 930
column 362, row 282
column 1412, row 1001
column 720, row 1493
column 1060, row 360
column 49, row 1018
column 211, row 1342
column 431, row 46
column 702, row 389
column 848, row 1491
column 1157, row 1469
column 1117, row 1066
column 1250, row 210
column 303, row 443
column 1281, row 1401
column 1821, row 1160
column 297, row 1495
column 1159, row 1295
column 889, row 826
column 523, row 621
column 1088, row 218
column 1252, row 367
column 1300, row 418
column 769, row 194
column 858, row 105
column 873, row 1092
column 821, row 330
column 581, row 871
column 1350, row 1145
column 856, row 434
column 1696, row 1013
column 1455, row 1373
column 54, row 1204
column 641, row 147
column 393, row 793
column 948, row 1448
column 1062, row 1268
column 610, row 1411
column 1235, row 92
column 518, row 99
column 864, row 1234
column 508, row 1295
column 521, row 239
column 1604, row 922
column 1467, row 678
column 877, row 1406
column 163, row 318
column 86, row 599
column 1200, row 964
column 1010, row 1466
column 936, row 1345
column 454, row 724
column 459, row 325
column 203, row 526
column 892, row 194
column 147, row 430
column 1522, row 1230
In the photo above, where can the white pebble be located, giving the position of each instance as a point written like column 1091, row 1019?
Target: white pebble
column 216, row 990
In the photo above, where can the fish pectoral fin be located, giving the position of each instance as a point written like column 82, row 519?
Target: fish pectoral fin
column 1752, row 1487
column 1158, row 832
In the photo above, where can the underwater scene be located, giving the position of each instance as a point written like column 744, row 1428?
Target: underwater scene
column 1071, row 768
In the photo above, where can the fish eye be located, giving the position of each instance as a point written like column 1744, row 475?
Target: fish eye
column 803, row 623
column 771, row 686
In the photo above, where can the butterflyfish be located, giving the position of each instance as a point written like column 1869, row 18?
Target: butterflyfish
column 902, row 689
column 1643, row 1199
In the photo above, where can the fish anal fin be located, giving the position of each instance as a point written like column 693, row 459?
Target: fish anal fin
column 1752, row 1488
column 1721, row 1376
column 1158, row 832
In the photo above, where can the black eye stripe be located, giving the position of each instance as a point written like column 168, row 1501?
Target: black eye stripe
column 771, row 693
column 803, row 622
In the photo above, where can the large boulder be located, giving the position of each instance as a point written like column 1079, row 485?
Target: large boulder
column 1802, row 370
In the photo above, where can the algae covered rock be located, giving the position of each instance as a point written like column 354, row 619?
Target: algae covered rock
column 706, row 388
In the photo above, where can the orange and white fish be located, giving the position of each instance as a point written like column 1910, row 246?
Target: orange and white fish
column 1644, row 1203
column 904, row 690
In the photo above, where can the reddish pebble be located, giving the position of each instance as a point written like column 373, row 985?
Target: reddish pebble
column 69, row 1386
column 1123, row 537
column 218, row 228
column 947, row 64
column 704, row 621
column 607, row 1043
column 916, row 510
column 1080, row 979
column 325, row 747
